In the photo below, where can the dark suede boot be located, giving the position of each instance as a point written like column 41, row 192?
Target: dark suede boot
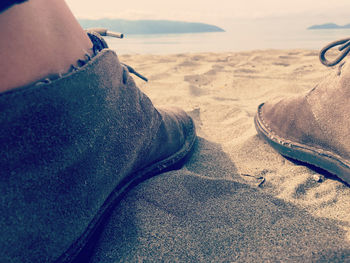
column 70, row 147
column 314, row 127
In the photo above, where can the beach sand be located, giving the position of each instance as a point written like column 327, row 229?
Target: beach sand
column 236, row 199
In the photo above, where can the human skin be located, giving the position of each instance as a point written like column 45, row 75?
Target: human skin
column 39, row 38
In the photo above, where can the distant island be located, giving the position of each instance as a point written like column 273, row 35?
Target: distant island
column 149, row 26
column 328, row 26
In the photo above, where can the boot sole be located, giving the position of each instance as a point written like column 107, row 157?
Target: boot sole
column 325, row 160
column 76, row 252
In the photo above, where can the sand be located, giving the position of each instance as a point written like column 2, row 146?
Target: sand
column 236, row 199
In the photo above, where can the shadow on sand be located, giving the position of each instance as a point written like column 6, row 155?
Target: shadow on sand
column 205, row 212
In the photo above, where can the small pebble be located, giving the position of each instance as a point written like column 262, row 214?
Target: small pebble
column 318, row 178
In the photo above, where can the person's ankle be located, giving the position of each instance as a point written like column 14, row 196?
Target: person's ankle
column 39, row 38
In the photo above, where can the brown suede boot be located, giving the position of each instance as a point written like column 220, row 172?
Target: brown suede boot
column 314, row 127
column 70, row 147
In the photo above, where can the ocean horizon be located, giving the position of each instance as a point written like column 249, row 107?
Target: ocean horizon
column 237, row 37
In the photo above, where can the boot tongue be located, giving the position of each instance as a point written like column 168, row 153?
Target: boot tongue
column 97, row 40
column 96, row 36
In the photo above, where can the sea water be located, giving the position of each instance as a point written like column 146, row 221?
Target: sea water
column 238, row 37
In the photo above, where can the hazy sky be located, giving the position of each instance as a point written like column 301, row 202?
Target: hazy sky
column 213, row 11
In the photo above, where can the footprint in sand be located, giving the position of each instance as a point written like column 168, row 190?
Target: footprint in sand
column 200, row 80
column 198, row 58
column 188, row 63
column 311, row 54
column 304, row 69
column 281, row 64
column 211, row 72
column 197, row 91
column 217, row 68
column 225, row 99
column 244, row 70
column 285, row 57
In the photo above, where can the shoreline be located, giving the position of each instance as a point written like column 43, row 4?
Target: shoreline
column 287, row 50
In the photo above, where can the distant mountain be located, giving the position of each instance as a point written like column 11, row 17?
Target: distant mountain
column 149, row 26
column 329, row 26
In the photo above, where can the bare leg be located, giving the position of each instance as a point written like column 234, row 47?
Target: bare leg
column 39, row 38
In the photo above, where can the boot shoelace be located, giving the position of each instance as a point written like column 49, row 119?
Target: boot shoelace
column 104, row 32
column 344, row 49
